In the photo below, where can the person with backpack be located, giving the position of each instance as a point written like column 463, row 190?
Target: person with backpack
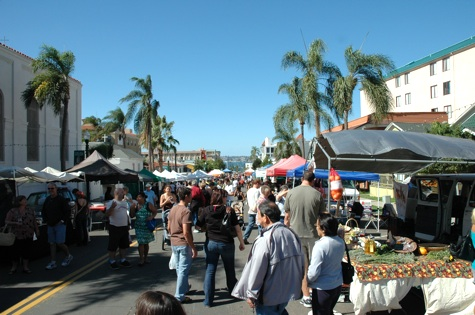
column 82, row 214
column 143, row 212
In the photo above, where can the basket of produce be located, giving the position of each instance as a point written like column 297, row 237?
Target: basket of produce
column 351, row 234
column 432, row 247
column 401, row 244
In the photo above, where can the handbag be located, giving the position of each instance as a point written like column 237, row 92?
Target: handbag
column 7, row 238
column 347, row 269
column 151, row 225
column 463, row 249
column 226, row 226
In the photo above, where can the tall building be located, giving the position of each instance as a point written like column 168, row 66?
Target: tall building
column 440, row 82
column 30, row 137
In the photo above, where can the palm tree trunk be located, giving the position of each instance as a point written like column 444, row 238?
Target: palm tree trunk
column 160, row 159
column 64, row 134
column 317, row 125
column 150, row 150
column 345, row 120
column 303, row 140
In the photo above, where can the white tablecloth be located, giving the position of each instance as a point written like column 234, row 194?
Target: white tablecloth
column 442, row 296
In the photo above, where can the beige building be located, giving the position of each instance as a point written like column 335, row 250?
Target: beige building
column 30, row 137
column 440, row 82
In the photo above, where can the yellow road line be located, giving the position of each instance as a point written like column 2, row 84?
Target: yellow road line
column 44, row 293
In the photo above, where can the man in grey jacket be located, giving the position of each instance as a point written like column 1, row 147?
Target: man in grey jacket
column 273, row 273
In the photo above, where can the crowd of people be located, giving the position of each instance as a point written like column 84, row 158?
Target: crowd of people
column 296, row 253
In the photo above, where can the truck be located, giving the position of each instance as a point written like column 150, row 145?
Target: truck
column 441, row 206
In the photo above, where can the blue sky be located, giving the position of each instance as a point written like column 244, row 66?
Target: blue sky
column 216, row 65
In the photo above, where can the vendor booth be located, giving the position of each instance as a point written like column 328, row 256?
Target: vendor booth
column 446, row 285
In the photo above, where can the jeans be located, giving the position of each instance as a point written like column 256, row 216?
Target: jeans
column 278, row 309
column 183, row 265
column 213, row 250
column 250, row 225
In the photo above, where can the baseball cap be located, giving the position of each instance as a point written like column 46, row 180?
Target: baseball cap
column 148, row 185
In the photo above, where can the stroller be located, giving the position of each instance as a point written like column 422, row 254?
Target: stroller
column 166, row 236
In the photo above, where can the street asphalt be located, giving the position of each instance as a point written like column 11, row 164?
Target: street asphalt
column 89, row 286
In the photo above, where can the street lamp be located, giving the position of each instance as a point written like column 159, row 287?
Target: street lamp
column 87, row 137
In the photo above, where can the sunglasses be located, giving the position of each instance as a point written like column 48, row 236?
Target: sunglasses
column 51, row 188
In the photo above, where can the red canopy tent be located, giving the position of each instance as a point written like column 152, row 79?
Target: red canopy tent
column 274, row 166
column 280, row 169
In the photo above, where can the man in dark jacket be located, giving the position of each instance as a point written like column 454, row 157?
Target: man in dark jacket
column 56, row 213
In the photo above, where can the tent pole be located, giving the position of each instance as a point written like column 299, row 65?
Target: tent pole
column 379, row 202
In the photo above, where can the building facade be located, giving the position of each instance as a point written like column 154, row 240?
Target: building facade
column 31, row 137
column 440, row 82
column 268, row 149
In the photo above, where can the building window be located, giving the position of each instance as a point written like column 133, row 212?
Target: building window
column 433, row 91
column 408, row 98
column 447, row 88
column 398, row 101
column 448, row 110
column 432, row 69
column 406, row 78
column 398, row 81
column 446, row 64
column 33, row 132
column 434, row 110
column 2, row 128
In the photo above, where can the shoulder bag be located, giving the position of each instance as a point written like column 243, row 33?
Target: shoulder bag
column 347, row 269
column 151, row 224
column 7, row 238
column 463, row 249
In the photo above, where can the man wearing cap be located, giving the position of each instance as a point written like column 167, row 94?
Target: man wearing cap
column 151, row 197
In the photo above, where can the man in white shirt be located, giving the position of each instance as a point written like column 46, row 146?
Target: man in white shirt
column 252, row 196
column 231, row 191
column 117, row 211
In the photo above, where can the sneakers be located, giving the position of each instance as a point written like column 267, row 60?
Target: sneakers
column 186, row 300
column 114, row 265
column 67, row 261
column 51, row 266
column 196, row 231
column 125, row 264
column 307, row 302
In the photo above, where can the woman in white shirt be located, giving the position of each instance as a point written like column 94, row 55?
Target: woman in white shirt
column 324, row 273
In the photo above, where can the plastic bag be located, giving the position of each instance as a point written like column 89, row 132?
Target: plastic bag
column 336, row 187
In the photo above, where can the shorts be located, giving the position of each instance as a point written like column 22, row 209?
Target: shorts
column 57, row 234
column 118, row 238
column 307, row 246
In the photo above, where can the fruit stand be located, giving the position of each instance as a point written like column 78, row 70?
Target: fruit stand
column 447, row 284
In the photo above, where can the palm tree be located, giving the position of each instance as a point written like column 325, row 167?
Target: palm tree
column 51, row 86
column 255, row 153
column 287, row 144
column 145, row 109
column 297, row 109
column 314, row 68
column 115, row 120
column 163, row 138
column 366, row 69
